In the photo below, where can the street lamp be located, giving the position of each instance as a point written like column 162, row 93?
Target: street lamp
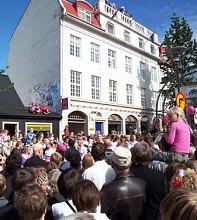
column 176, row 53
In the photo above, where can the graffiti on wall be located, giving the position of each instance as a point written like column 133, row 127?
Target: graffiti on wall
column 47, row 94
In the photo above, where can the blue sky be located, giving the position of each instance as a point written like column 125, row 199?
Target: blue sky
column 153, row 14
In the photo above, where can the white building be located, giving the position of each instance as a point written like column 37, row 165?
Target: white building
column 95, row 61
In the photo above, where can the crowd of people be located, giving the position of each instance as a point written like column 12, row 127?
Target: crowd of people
column 117, row 177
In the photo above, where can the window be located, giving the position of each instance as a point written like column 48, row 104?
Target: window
column 95, row 53
column 84, row 14
column 141, row 43
column 154, row 99
column 75, row 83
column 75, row 44
column 112, row 91
column 96, row 87
column 143, row 97
column 112, row 59
column 126, row 36
column 153, row 74
column 142, row 70
column 128, row 64
column 152, row 49
column 129, row 92
column 110, row 28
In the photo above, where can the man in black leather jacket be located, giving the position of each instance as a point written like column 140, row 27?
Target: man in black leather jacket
column 125, row 197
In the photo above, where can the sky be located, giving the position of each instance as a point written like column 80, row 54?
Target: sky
column 153, row 14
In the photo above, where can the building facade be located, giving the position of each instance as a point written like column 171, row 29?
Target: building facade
column 94, row 64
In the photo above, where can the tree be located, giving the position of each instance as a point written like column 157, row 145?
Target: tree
column 179, row 34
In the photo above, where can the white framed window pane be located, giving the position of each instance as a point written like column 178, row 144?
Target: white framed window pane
column 129, row 93
column 154, row 74
column 95, row 53
column 96, row 85
column 126, row 36
column 143, row 97
column 75, row 44
column 141, row 43
column 75, row 83
column 128, row 64
column 142, row 70
column 110, row 28
column 112, row 59
column 112, row 91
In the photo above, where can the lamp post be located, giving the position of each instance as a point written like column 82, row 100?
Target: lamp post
column 176, row 53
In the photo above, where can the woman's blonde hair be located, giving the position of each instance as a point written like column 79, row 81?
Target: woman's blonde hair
column 179, row 204
column 177, row 111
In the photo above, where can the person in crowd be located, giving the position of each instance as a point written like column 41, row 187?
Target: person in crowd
column 133, row 140
column 30, row 135
column 20, row 178
column 66, row 183
column 3, row 200
column 192, row 164
column 53, row 177
column 171, row 170
column 87, row 162
column 178, row 135
column 125, row 196
column 108, row 147
column 179, row 204
column 50, row 166
column 100, row 173
column 86, row 198
column 24, row 138
column 82, row 149
column 56, row 157
column 49, row 150
column 155, row 182
column 12, row 164
column 31, row 203
column 26, row 153
column 185, row 179
column 36, row 160
column 71, row 150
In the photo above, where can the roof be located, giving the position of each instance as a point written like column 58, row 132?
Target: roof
column 72, row 9
column 11, row 105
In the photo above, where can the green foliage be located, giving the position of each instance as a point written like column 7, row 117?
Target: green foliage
column 179, row 34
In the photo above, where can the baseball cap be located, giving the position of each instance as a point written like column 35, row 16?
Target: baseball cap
column 121, row 156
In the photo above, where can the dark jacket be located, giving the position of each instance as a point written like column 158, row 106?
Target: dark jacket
column 34, row 161
column 155, row 184
column 124, row 198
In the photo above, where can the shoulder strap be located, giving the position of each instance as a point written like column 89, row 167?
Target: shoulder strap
column 67, row 202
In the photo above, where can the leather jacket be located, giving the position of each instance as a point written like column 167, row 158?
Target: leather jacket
column 124, row 198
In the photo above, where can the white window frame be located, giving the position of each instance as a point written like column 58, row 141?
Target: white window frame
column 75, row 46
column 141, row 43
column 153, row 73
column 110, row 28
column 154, row 99
column 142, row 71
column 95, row 53
column 13, row 123
column 112, row 59
column 84, row 14
column 127, row 37
column 128, row 64
column 96, row 87
column 28, row 124
column 129, row 94
column 143, row 97
column 75, row 83
column 112, row 91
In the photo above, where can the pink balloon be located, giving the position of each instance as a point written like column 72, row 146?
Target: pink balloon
column 191, row 110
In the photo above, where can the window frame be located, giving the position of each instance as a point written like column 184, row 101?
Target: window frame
column 112, row 90
column 84, row 14
column 129, row 94
column 128, row 64
column 143, row 97
column 75, row 83
column 95, row 52
column 112, row 59
column 95, row 87
column 75, row 46
column 141, row 43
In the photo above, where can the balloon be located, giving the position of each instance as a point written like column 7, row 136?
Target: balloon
column 165, row 120
column 191, row 110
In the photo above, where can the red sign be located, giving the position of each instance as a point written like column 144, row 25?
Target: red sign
column 180, row 100
column 65, row 104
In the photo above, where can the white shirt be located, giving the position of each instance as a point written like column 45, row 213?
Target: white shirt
column 97, row 216
column 61, row 209
column 100, row 173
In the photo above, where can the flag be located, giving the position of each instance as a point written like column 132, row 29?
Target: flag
column 152, row 37
column 162, row 50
